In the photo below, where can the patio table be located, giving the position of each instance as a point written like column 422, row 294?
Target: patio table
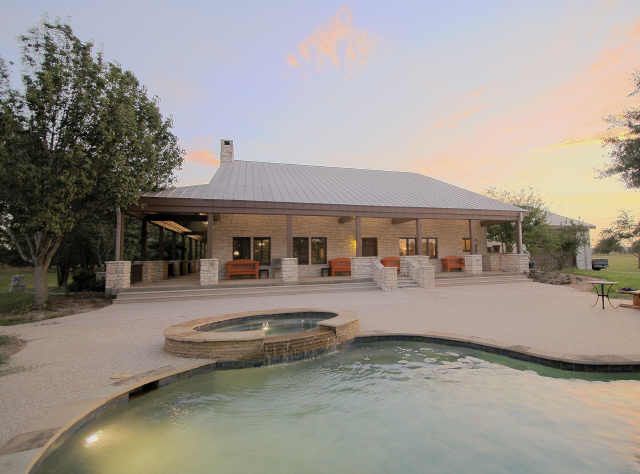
column 603, row 289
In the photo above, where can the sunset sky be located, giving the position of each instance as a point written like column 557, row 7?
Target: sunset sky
column 479, row 94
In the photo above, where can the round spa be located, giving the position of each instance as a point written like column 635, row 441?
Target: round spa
column 253, row 338
column 373, row 407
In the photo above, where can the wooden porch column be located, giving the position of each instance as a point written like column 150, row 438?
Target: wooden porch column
column 119, row 235
column 418, row 237
column 519, row 233
column 289, row 237
column 190, row 249
column 471, row 236
column 210, row 235
column 358, row 238
column 161, row 242
column 143, row 239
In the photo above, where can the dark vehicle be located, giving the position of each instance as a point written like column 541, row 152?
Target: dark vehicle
column 599, row 263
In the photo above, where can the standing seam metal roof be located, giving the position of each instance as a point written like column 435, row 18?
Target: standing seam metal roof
column 294, row 183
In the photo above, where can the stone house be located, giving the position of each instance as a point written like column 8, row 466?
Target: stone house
column 289, row 214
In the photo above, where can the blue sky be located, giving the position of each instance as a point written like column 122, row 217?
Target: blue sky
column 505, row 94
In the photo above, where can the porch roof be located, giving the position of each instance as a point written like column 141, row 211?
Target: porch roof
column 280, row 185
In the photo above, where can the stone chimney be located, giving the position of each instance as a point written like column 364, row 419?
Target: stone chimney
column 226, row 151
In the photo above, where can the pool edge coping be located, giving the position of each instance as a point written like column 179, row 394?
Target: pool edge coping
column 560, row 361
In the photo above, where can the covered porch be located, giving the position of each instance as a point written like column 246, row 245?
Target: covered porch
column 199, row 244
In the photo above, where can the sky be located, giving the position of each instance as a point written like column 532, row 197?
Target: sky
column 485, row 94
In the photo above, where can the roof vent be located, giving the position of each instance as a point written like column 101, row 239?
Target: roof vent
column 226, row 151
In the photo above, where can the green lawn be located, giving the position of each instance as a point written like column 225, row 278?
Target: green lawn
column 19, row 302
column 623, row 268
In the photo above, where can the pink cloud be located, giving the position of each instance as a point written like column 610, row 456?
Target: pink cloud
column 337, row 42
column 203, row 157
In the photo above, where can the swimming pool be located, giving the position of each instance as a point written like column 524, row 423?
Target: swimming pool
column 378, row 407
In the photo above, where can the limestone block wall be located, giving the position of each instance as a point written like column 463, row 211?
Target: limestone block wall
column 118, row 275
column 473, row 263
column 154, row 270
column 209, row 271
column 362, row 267
column 420, row 269
column 506, row 262
column 340, row 237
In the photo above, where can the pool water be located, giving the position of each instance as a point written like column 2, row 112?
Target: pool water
column 383, row 407
column 274, row 326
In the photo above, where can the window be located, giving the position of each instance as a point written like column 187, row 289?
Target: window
column 466, row 244
column 430, row 247
column 262, row 250
column 318, row 250
column 408, row 246
column 369, row 247
column 241, row 248
column 301, row 250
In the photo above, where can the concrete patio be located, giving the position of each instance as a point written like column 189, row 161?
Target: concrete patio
column 71, row 363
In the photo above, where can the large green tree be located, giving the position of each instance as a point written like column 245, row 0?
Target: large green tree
column 625, row 228
column 78, row 138
column 624, row 148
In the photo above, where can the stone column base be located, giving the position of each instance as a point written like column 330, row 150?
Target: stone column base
column 154, row 270
column 290, row 270
column 209, row 271
column 362, row 267
column 473, row 264
column 118, row 276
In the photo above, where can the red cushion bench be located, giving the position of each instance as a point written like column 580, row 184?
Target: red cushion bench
column 242, row 267
column 452, row 263
column 339, row 265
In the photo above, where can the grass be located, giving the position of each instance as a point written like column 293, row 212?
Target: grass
column 7, row 272
column 623, row 268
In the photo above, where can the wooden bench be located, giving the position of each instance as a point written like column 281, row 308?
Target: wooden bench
column 339, row 265
column 391, row 262
column 242, row 267
column 452, row 262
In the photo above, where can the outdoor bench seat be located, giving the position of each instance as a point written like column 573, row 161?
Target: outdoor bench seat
column 452, row 262
column 243, row 267
column 340, row 265
column 391, row 262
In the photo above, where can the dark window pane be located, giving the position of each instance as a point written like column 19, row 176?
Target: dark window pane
column 318, row 250
column 301, row 250
column 262, row 250
column 241, row 248
column 369, row 247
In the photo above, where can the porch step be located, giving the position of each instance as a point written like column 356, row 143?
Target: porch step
column 481, row 279
column 404, row 282
column 148, row 295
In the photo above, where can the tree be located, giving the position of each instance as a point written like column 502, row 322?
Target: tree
column 625, row 228
column 624, row 149
column 535, row 231
column 608, row 244
column 79, row 138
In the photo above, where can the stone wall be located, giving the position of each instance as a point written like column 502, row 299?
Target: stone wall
column 420, row 270
column 473, row 263
column 340, row 237
column 506, row 262
column 362, row 267
column 154, row 270
column 118, row 276
column 209, row 271
column 385, row 277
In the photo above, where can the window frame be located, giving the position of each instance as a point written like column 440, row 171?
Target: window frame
column 466, row 240
column 307, row 249
column 369, row 239
column 233, row 248
column 406, row 241
column 425, row 241
column 324, row 261
column 254, row 245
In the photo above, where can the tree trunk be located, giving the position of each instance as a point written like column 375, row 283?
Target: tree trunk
column 40, row 284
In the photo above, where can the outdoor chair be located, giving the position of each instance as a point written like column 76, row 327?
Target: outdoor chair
column 340, row 265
